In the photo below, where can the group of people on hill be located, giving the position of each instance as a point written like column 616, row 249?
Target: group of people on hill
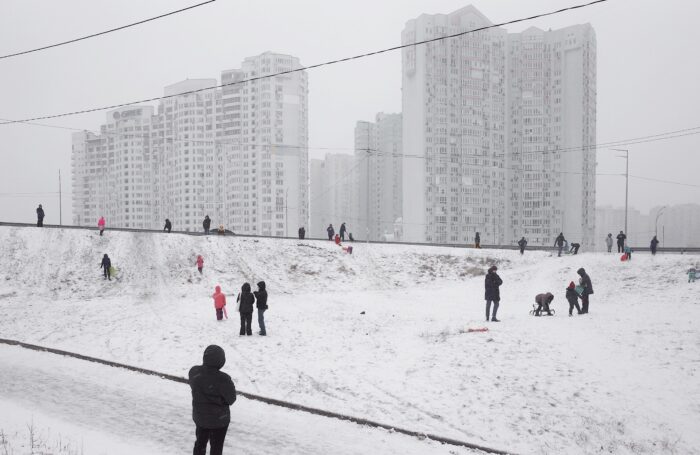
column 245, row 303
column 206, row 225
column 492, row 295
column 340, row 236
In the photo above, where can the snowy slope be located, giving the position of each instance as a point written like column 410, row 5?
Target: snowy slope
column 624, row 378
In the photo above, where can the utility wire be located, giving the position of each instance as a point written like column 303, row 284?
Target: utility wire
column 304, row 68
column 74, row 40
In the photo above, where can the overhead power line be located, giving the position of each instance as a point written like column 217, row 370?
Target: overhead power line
column 74, row 40
column 304, row 68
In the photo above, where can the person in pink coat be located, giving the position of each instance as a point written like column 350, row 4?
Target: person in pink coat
column 200, row 263
column 101, row 224
column 219, row 303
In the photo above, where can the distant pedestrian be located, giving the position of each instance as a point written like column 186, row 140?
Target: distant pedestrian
column 343, row 230
column 559, row 242
column 543, row 301
column 168, row 226
column 101, row 225
column 106, row 265
column 653, row 245
column 206, row 224
column 522, row 243
column 245, row 307
column 621, row 237
column 572, row 296
column 609, row 242
column 219, row 303
column 330, row 231
column 39, row 216
column 585, row 282
column 477, row 240
column 212, row 394
column 261, row 304
column 302, row 233
column 337, row 239
column 200, row 263
column 492, row 294
column 574, row 247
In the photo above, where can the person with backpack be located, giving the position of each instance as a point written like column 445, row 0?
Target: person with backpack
column 343, row 230
column 543, row 301
column 492, row 283
column 609, row 242
column 654, row 243
column 587, row 286
column 101, row 225
column 621, row 237
column 206, row 224
column 559, row 242
column 572, row 297
column 219, row 303
column 261, row 304
column 200, row 263
column 106, row 265
column 213, row 392
column 522, row 243
column 168, row 226
column 39, row 216
column 330, row 231
column 245, row 307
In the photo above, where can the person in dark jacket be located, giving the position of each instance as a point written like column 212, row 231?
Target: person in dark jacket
column 522, row 243
column 492, row 294
column 477, row 240
column 39, row 216
column 559, row 242
column 246, row 300
column 543, row 301
column 261, row 304
column 343, row 230
column 653, row 245
column 621, row 237
column 572, row 296
column 206, row 224
column 106, row 265
column 168, row 226
column 302, row 233
column 213, row 392
column 587, row 286
column 574, row 247
column 330, row 231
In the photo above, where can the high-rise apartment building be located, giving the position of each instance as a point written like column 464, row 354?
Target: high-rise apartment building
column 238, row 154
column 333, row 198
column 503, row 126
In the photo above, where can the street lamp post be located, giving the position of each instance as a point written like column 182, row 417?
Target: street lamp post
column 656, row 223
column 627, row 180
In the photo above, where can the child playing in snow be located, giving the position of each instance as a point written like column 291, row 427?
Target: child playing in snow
column 101, row 224
column 692, row 275
column 628, row 252
column 219, row 303
column 200, row 263
column 543, row 301
column 572, row 296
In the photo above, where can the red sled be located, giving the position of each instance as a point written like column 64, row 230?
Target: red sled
column 624, row 257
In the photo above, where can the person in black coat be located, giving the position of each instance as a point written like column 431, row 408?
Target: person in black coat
column 585, row 282
column 492, row 294
column 206, row 224
column 106, row 265
column 477, row 240
column 330, row 231
column 246, row 300
column 343, row 230
column 213, row 392
column 302, row 233
column 572, row 296
column 522, row 243
column 168, row 226
column 261, row 304
column 559, row 242
column 621, row 237
column 653, row 245
column 39, row 216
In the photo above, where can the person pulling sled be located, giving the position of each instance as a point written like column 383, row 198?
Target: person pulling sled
column 543, row 301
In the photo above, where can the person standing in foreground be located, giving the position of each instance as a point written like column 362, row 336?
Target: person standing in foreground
column 609, row 242
column 213, row 392
column 246, row 301
column 492, row 283
column 219, row 303
column 585, row 282
column 106, row 265
column 261, row 303
column 39, row 216
column 572, row 296
column 621, row 237
column 522, row 243
column 101, row 225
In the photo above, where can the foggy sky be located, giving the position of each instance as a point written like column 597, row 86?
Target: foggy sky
column 648, row 75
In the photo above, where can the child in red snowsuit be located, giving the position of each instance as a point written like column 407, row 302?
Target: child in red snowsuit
column 337, row 239
column 200, row 263
column 219, row 303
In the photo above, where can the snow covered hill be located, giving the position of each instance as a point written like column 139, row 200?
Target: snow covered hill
column 623, row 379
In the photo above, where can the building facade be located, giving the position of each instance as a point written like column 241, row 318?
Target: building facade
column 333, row 194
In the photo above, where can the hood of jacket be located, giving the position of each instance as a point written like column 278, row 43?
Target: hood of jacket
column 581, row 271
column 261, row 285
column 245, row 288
column 214, row 357
column 217, row 289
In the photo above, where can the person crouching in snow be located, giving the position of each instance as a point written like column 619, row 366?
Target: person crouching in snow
column 219, row 303
column 200, row 263
column 543, row 301
column 101, row 224
column 572, row 296
column 245, row 307
column 106, row 265
column 261, row 303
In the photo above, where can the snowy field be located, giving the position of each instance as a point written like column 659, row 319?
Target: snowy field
column 623, row 379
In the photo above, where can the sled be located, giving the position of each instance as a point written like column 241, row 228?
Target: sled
column 542, row 313
column 624, row 257
column 478, row 329
column 113, row 271
column 579, row 290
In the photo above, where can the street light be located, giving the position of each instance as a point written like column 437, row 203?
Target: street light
column 656, row 223
column 627, row 179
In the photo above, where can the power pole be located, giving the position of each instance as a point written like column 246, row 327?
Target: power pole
column 368, row 185
column 60, row 200
column 286, row 213
column 627, row 180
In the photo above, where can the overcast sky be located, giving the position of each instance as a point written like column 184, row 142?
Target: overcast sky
column 648, row 76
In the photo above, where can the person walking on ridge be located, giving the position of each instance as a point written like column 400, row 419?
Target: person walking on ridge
column 39, row 216
column 101, row 225
column 343, row 230
column 653, row 245
column 107, row 266
column 245, row 307
column 492, row 294
column 168, row 226
column 609, row 242
column 559, row 242
column 621, row 237
column 477, row 240
column 206, row 224
column 330, row 231
column 261, row 304
column 522, row 243
column 302, row 233
column 213, row 392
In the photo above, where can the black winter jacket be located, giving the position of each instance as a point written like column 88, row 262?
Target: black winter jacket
column 559, row 241
column 40, row 213
column 572, row 295
column 585, row 282
column 492, row 282
column 621, row 238
column 106, row 263
column 207, row 223
column 212, row 391
column 522, row 243
column 246, row 299
column 261, row 296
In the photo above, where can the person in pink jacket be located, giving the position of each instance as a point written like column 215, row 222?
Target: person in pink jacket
column 101, row 224
column 219, row 303
column 200, row 263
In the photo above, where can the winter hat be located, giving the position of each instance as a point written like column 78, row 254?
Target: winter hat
column 217, row 289
column 572, row 285
column 493, row 268
column 214, row 357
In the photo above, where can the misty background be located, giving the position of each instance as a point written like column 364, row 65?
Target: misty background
column 647, row 77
